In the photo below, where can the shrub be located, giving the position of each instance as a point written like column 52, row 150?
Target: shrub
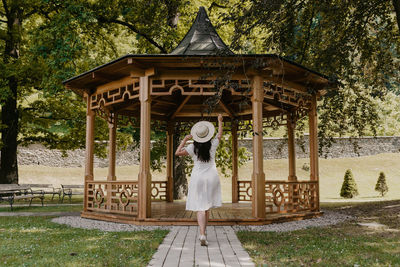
column 381, row 185
column 306, row 167
column 349, row 186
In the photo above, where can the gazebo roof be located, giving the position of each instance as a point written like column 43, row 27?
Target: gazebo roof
column 202, row 39
column 200, row 46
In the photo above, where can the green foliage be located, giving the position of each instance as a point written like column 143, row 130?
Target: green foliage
column 223, row 157
column 381, row 185
column 356, row 41
column 349, row 186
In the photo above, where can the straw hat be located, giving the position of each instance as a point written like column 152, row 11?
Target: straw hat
column 202, row 131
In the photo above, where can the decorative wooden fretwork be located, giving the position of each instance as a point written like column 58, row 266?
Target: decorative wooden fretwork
column 114, row 95
column 287, row 96
column 198, row 86
column 159, row 190
column 120, row 196
column 112, row 196
column 288, row 196
column 284, row 196
column 275, row 121
column 244, row 190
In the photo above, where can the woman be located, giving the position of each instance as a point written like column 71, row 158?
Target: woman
column 204, row 187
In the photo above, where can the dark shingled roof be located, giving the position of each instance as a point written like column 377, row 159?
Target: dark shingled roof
column 202, row 39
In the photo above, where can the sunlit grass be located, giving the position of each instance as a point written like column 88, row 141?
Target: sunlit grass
column 35, row 241
column 346, row 244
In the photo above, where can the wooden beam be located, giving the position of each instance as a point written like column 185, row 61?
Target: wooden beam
column 313, row 130
column 114, row 84
column 235, row 168
column 291, row 148
column 136, row 73
column 258, row 176
column 228, row 110
column 178, row 109
column 144, row 178
column 112, row 132
column 89, row 155
column 277, row 104
column 104, row 76
column 170, row 161
column 281, row 81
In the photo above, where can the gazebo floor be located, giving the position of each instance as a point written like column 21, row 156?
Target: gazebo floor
column 164, row 213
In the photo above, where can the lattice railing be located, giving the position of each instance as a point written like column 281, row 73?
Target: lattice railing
column 284, row 196
column 120, row 196
column 244, row 190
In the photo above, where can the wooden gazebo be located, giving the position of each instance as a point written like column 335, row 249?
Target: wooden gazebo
column 255, row 91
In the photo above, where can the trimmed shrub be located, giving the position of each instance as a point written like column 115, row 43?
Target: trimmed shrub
column 349, row 186
column 381, row 185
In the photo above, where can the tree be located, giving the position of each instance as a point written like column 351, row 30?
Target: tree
column 361, row 48
column 381, row 185
column 349, row 186
column 14, row 72
column 45, row 42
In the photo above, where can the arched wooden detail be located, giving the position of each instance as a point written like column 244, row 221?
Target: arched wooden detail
column 115, row 93
column 286, row 95
column 196, row 86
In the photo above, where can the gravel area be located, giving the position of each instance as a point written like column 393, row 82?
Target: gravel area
column 328, row 218
column 78, row 222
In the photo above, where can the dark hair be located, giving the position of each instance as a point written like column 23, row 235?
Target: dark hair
column 202, row 150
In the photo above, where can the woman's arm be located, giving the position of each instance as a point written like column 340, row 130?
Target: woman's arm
column 182, row 152
column 219, row 135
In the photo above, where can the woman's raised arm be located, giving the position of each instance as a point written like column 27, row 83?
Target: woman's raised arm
column 180, row 151
column 219, row 135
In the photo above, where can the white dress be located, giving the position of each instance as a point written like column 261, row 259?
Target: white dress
column 204, row 186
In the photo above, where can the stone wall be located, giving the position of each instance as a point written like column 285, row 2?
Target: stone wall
column 274, row 148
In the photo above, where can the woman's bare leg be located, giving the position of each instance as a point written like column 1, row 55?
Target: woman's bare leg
column 201, row 220
column 207, row 217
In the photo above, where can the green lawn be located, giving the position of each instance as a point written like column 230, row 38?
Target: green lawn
column 345, row 244
column 36, row 241
column 60, row 208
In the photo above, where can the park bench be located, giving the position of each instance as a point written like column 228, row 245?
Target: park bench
column 44, row 189
column 69, row 190
column 13, row 192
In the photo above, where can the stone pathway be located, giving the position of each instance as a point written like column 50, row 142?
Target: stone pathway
column 181, row 247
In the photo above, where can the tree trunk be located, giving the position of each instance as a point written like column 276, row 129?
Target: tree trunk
column 9, row 111
column 396, row 4
column 180, row 181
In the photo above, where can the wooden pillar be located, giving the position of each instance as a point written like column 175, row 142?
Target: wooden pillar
column 112, row 132
column 144, row 178
column 235, row 192
column 313, row 140
column 313, row 130
column 291, row 148
column 170, row 162
column 90, row 118
column 258, row 176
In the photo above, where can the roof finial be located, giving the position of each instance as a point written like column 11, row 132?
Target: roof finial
column 202, row 38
